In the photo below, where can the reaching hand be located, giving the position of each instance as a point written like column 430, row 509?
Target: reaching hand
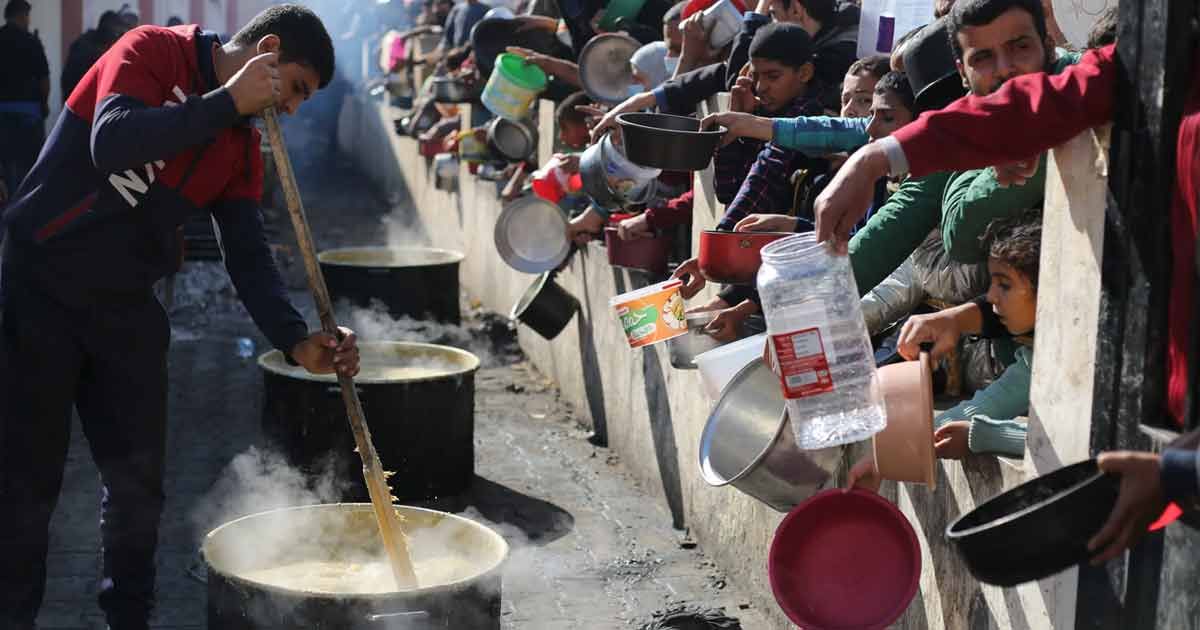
column 766, row 223
column 941, row 329
column 725, row 326
column 741, row 97
column 740, row 125
column 568, row 163
column 694, row 282
column 322, row 353
column 863, row 475
column 1139, row 502
column 255, row 86
column 585, row 227
column 951, row 440
column 1016, row 173
column 634, row 228
column 846, row 199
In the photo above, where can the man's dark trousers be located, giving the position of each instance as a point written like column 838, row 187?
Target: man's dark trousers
column 110, row 362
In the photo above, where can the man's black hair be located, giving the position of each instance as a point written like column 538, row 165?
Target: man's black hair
column 981, row 12
column 1017, row 242
column 875, row 65
column 675, row 13
column 789, row 44
column 174, row 20
column 898, row 85
column 566, row 111
column 16, row 9
column 1104, row 31
column 302, row 37
column 111, row 21
column 822, row 11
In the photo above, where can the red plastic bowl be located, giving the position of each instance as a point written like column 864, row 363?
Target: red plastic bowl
column 844, row 559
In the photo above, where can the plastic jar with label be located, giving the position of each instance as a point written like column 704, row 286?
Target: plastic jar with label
column 820, row 343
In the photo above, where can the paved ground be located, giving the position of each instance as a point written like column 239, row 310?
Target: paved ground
column 592, row 550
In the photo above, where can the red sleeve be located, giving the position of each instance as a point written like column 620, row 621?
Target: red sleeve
column 247, row 181
column 1028, row 115
column 140, row 65
column 676, row 212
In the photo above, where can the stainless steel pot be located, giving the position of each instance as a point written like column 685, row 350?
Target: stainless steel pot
column 445, row 172
column 684, row 348
column 451, row 90
column 348, row 532
column 604, row 67
column 748, row 443
column 598, row 168
column 513, row 141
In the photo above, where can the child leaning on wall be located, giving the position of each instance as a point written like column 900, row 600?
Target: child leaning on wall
column 991, row 421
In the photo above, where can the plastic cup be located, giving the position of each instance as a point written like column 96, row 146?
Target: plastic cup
column 652, row 314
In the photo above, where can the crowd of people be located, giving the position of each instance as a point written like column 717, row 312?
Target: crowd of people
column 944, row 241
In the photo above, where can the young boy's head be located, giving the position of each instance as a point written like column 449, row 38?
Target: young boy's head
column 1014, row 247
column 572, row 123
column 780, row 64
column 859, row 85
column 891, row 105
column 304, row 48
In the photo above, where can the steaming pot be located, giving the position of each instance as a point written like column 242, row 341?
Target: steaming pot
column 342, row 532
column 416, row 282
column 418, row 398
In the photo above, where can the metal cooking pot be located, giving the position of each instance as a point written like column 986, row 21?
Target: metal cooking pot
column 531, row 235
column 420, row 399
column 733, row 257
column 684, row 348
column 642, row 254
column 422, row 119
column 613, row 181
column 451, row 90
column 348, row 532
column 445, row 172
column 748, row 443
column 1037, row 528
column 512, row 141
column 604, row 67
column 669, row 142
column 545, row 307
column 417, row 282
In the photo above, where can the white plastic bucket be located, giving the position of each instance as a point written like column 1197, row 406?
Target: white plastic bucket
column 719, row 365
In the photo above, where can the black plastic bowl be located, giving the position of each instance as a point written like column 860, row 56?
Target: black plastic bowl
column 1037, row 528
column 672, row 143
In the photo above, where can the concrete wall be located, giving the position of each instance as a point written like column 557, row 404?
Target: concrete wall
column 653, row 414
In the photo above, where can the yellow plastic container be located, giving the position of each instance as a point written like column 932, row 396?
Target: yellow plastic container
column 513, row 86
column 653, row 314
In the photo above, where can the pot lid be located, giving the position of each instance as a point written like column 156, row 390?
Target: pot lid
column 531, row 235
column 386, row 362
column 389, row 256
column 604, row 67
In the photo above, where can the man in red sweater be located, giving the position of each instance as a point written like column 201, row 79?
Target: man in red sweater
column 1027, row 116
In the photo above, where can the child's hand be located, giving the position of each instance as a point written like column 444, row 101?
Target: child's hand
column 863, row 475
column 950, row 441
column 1138, row 504
column 694, row 281
column 941, row 328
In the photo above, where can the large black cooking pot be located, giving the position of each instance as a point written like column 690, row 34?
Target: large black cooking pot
column 419, row 401
column 1037, row 528
column 669, row 142
column 238, row 600
column 417, row 282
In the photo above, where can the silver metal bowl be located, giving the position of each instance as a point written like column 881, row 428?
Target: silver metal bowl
column 531, row 235
column 604, row 67
column 684, row 348
column 513, row 141
column 748, row 443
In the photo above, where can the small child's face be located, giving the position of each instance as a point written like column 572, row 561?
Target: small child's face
column 888, row 114
column 573, row 134
column 1012, row 296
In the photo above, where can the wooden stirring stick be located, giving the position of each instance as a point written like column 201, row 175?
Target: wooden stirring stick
column 394, row 540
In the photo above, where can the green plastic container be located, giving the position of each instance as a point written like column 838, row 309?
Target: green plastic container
column 618, row 9
column 512, row 87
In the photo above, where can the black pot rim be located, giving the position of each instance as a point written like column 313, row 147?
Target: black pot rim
column 625, row 121
column 963, row 535
column 268, row 362
column 530, row 296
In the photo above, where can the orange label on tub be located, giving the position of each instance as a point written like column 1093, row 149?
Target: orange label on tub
column 803, row 365
column 653, row 314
